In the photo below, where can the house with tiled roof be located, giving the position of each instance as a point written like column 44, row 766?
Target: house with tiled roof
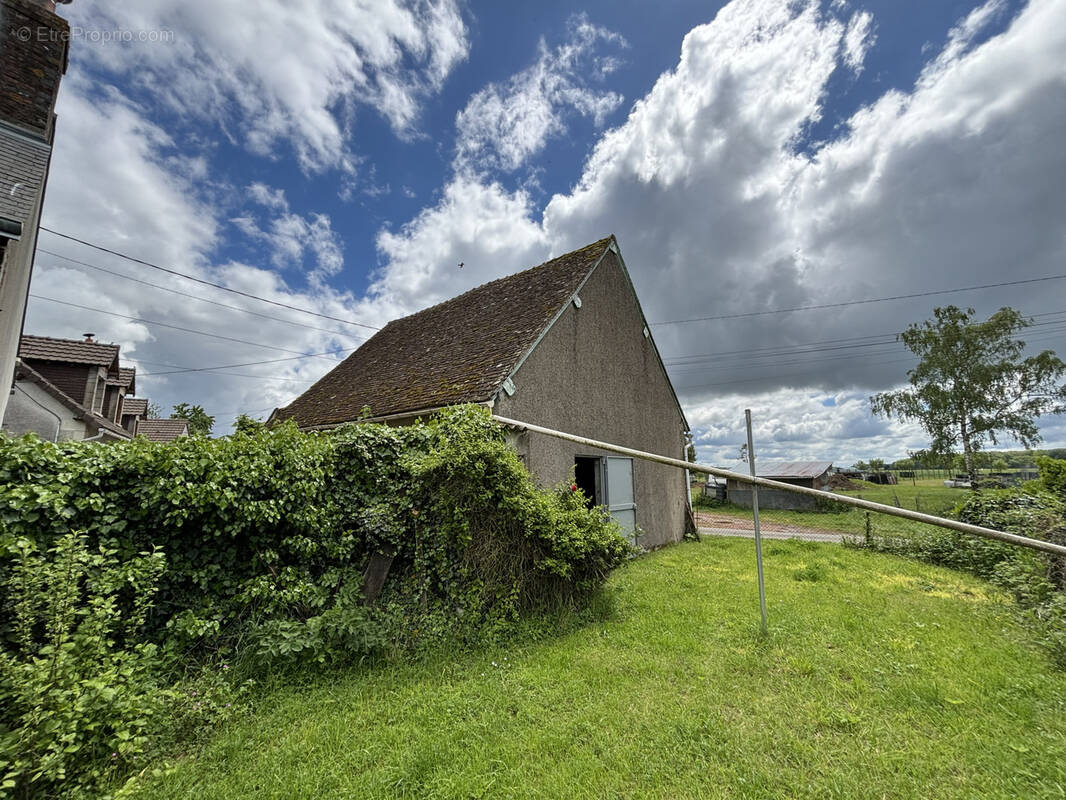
column 162, row 430
column 76, row 389
column 33, row 58
column 563, row 345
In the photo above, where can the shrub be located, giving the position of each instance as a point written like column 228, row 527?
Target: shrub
column 78, row 691
column 267, row 535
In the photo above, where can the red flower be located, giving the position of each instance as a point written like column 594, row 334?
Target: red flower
column 573, row 487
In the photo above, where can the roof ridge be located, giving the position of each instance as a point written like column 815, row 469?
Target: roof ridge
column 605, row 241
column 69, row 341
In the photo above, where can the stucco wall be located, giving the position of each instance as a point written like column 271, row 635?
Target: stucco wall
column 595, row 374
column 30, row 409
column 14, row 284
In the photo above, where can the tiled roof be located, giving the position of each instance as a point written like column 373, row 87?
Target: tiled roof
column 24, row 372
column 162, row 430
column 137, row 406
column 126, row 376
column 46, row 348
column 459, row 351
column 23, row 167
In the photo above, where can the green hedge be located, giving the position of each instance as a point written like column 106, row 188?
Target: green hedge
column 279, row 523
column 261, row 541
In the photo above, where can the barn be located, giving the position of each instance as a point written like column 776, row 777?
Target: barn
column 811, row 474
column 563, row 345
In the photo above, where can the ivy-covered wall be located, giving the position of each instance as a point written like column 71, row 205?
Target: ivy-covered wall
column 275, row 524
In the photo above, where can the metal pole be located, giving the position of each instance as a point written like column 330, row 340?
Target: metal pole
column 892, row 511
column 755, row 515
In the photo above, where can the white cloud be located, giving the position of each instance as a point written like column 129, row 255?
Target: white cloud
column 718, row 211
column 280, row 71
column 483, row 226
column 112, row 182
column 503, row 126
column 858, row 39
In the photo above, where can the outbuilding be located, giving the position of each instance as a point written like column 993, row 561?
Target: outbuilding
column 811, row 474
column 563, row 345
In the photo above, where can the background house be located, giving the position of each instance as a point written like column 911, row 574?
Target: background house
column 76, row 389
column 162, row 430
column 563, row 345
column 812, row 474
column 31, row 68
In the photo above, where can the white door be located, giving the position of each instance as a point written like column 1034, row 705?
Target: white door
column 621, row 501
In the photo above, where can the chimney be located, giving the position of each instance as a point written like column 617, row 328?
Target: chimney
column 89, row 338
column 33, row 59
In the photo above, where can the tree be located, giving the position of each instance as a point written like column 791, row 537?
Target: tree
column 154, row 411
column 971, row 384
column 251, row 427
column 200, row 422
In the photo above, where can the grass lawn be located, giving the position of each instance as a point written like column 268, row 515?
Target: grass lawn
column 929, row 496
column 880, row 677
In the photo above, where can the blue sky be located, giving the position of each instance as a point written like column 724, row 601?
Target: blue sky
column 750, row 156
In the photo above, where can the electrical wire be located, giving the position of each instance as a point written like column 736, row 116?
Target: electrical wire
column 165, row 325
column 169, row 271
column 861, row 302
column 197, row 297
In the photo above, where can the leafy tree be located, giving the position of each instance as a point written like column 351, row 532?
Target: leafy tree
column 154, row 411
column 861, row 466
column 248, row 425
column 200, row 422
column 972, row 384
column 877, row 464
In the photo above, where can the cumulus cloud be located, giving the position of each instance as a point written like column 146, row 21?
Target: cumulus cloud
column 504, row 125
column 112, row 181
column 279, row 71
column 720, row 210
column 720, row 203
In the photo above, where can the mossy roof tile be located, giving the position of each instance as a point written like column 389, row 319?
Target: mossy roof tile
column 458, row 351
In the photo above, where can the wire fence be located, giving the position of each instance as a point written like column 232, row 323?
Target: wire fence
column 725, row 508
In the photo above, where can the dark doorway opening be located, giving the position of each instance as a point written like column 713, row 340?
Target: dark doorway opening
column 587, row 477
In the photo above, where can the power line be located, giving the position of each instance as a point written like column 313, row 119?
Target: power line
column 166, row 325
column 177, row 369
column 195, row 297
column 235, row 375
column 860, row 302
column 847, row 343
column 169, row 271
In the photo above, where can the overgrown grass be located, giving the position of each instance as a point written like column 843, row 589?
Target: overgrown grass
column 880, row 677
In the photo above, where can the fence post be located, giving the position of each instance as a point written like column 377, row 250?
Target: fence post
column 755, row 515
column 868, row 537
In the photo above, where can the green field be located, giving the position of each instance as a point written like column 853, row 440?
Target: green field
column 929, row 496
column 880, row 677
